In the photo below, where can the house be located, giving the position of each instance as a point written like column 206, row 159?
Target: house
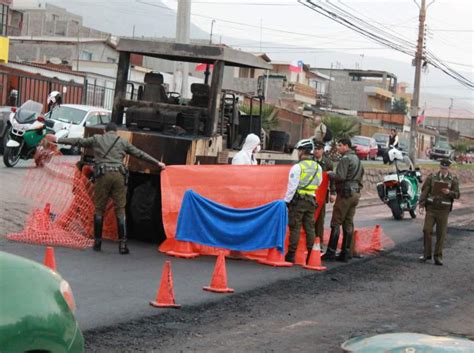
column 293, row 85
column 361, row 90
column 453, row 123
column 63, row 50
column 41, row 19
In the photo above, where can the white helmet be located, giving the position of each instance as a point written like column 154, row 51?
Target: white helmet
column 395, row 154
column 53, row 97
column 305, row 144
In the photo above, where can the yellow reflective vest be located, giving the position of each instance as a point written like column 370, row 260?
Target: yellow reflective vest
column 310, row 177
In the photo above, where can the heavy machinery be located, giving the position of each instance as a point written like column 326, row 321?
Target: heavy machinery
column 203, row 130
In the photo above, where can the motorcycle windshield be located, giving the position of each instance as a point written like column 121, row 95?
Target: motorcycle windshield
column 28, row 112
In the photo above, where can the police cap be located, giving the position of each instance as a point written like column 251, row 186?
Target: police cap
column 445, row 163
column 318, row 145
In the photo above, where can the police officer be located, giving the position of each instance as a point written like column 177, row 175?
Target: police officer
column 348, row 180
column 327, row 166
column 304, row 178
column 438, row 204
column 110, row 174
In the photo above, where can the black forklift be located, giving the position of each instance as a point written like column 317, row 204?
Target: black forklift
column 205, row 129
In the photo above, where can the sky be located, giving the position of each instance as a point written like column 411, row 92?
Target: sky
column 449, row 22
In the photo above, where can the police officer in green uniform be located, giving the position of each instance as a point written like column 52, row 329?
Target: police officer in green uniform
column 110, row 177
column 327, row 166
column 437, row 195
column 304, row 179
column 348, row 180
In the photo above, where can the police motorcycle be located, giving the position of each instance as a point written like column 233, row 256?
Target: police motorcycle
column 27, row 128
column 400, row 190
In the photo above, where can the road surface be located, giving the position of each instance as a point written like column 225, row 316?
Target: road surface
column 273, row 308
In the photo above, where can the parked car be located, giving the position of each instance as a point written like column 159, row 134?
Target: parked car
column 441, row 149
column 465, row 158
column 4, row 115
column 36, row 309
column 382, row 142
column 403, row 146
column 75, row 118
column 365, row 147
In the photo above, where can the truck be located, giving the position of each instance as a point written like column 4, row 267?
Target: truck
column 207, row 129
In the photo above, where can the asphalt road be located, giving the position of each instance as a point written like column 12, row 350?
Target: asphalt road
column 110, row 289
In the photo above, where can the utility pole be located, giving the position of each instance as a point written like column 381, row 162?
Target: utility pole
column 183, row 23
column 208, row 72
column 416, row 92
column 449, row 112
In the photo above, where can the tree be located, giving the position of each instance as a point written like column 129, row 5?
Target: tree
column 400, row 105
column 269, row 114
column 341, row 126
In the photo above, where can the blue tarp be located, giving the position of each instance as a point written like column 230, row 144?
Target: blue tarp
column 206, row 222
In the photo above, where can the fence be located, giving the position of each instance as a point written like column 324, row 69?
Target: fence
column 29, row 87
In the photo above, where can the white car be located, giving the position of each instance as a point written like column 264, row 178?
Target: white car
column 75, row 118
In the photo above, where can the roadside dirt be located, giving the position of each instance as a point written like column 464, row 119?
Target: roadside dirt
column 391, row 292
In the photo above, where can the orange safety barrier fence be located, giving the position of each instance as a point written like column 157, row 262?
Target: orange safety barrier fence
column 64, row 210
column 369, row 240
column 234, row 186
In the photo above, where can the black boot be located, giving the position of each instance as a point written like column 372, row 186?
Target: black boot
column 332, row 245
column 309, row 254
column 97, row 232
column 345, row 254
column 290, row 257
column 122, row 230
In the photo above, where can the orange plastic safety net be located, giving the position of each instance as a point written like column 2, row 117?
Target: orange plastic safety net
column 63, row 213
column 367, row 240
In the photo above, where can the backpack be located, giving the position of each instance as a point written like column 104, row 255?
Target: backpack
column 328, row 135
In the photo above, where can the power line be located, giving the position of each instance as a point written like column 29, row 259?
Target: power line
column 348, row 20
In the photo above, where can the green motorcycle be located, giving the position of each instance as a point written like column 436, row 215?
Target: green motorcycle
column 400, row 190
column 27, row 128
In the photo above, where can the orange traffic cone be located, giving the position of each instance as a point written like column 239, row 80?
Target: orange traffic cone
column 274, row 258
column 314, row 262
column 301, row 252
column 183, row 249
column 165, row 294
column 376, row 238
column 354, row 244
column 219, row 277
column 49, row 260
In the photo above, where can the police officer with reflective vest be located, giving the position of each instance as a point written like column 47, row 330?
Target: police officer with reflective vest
column 110, row 177
column 304, row 179
column 327, row 166
column 437, row 195
column 348, row 179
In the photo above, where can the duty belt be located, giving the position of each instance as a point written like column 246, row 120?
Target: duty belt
column 112, row 169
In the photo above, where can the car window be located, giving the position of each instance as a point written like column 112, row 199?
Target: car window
column 360, row 141
column 105, row 117
column 67, row 115
column 93, row 119
column 380, row 137
column 443, row 145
